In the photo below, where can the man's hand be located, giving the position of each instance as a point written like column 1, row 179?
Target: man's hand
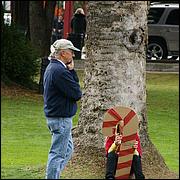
column 70, row 66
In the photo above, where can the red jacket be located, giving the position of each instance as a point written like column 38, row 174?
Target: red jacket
column 110, row 140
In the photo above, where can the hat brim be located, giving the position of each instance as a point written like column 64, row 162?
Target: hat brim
column 75, row 49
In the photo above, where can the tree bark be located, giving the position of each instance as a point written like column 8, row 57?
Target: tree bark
column 20, row 15
column 115, row 72
column 41, row 19
column 2, row 18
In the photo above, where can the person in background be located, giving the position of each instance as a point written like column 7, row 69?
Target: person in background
column 79, row 22
column 61, row 93
column 78, row 26
column 57, row 31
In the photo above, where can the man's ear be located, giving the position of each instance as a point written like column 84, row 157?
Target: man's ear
column 61, row 53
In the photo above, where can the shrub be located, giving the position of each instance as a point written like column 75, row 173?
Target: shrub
column 18, row 58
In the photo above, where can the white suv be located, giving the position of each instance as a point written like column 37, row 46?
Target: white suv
column 163, row 31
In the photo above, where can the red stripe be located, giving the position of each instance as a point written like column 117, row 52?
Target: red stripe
column 109, row 123
column 126, row 152
column 113, row 113
column 129, row 138
column 128, row 117
column 124, row 164
column 126, row 176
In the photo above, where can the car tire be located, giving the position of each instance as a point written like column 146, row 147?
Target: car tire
column 156, row 50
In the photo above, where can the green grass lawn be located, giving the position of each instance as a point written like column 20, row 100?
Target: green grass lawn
column 163, row 115
column 25, row 139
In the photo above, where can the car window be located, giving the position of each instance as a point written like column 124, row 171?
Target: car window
column 173, row 17
column 154, row 15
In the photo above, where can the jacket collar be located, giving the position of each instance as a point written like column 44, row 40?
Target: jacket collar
column 58, row 60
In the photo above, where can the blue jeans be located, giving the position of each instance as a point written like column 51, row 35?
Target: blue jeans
column 61, row 146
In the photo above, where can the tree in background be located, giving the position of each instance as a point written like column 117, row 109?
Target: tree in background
column 17, row 52
column 41, row 14
column 115, row 75
column 2, row 17
column 20, row 16
column 34, row 19
column 31, row 20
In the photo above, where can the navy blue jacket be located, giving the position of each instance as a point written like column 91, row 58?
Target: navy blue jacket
column 61, row 90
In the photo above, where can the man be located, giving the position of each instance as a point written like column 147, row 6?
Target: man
column 61, row 92
column 58, row 25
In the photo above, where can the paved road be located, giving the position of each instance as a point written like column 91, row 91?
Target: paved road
column 163, row 66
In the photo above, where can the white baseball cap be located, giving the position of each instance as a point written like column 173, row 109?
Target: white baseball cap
column 62, row 44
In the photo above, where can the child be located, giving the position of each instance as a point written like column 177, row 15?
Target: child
column 111, row 146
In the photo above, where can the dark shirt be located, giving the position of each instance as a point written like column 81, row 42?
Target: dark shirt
column 61, row 90
column 78, row 23
column 58, row 25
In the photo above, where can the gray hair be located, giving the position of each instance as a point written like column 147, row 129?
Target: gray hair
column 54, row 52
column 79, row 11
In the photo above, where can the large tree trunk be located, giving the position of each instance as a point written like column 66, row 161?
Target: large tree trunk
column 41, row 19
column 115, row 73
column 20, row 15
column 2, row 18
